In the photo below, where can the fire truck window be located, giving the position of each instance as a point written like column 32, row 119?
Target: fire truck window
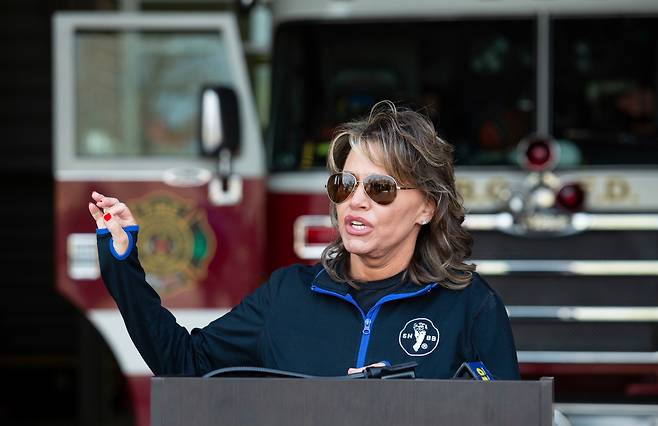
column 137, row 93
column 605, row 84
column 475, row 79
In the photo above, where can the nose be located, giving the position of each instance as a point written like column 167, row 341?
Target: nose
column 359, row 198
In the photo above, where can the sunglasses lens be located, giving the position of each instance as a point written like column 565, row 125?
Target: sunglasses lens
column 381, row 189
column 340, row 186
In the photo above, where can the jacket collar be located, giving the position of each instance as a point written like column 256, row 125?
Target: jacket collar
column 324, row 281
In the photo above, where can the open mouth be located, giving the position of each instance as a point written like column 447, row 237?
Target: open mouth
column 357, row 225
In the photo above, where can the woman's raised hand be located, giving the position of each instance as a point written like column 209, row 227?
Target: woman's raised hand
column 112, row 214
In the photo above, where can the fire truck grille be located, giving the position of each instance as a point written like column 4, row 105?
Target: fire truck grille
column 555, row 290
column 617, row 245
column 590, row 337
column 585, row 298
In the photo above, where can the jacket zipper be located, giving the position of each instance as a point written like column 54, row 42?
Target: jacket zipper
column 369, row 318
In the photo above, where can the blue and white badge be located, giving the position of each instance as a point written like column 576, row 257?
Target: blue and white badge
column 419, row 337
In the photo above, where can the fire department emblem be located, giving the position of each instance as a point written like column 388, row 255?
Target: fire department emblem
column 175, row 243
column 419, row 337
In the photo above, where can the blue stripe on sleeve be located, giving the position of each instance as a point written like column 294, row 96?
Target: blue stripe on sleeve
column 131, row 242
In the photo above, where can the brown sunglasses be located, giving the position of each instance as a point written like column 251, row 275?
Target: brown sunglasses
column 381, row 189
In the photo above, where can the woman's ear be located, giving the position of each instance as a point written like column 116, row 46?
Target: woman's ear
column 427, row 212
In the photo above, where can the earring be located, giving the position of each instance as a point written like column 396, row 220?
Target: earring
column 424, row 222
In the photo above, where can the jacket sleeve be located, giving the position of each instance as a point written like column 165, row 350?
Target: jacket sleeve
column 493, row 341
column 167, row 347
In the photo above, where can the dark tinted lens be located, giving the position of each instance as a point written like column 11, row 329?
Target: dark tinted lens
column 340, row 186
column 381, row 189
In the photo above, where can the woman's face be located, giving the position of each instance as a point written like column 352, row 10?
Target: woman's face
column 377, row 234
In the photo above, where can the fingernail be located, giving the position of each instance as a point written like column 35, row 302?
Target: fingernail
column 107, row 216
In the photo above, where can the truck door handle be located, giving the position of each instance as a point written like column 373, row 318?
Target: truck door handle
column 225, row 191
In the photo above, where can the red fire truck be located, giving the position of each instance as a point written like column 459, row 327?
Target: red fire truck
column 551, row 106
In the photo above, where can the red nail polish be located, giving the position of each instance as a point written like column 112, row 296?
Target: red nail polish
column 107, row 216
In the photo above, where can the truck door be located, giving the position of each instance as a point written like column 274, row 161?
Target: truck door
column 127, row 101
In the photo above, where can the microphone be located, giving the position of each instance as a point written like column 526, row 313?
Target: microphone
column 405, row 370
column 473, row 370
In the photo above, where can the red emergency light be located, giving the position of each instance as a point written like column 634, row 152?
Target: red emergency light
column 320, row 235
column 312, row 234
column 537, row 154
column 571, row 197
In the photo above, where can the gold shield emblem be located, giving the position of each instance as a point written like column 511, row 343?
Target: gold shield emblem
column 176, row 242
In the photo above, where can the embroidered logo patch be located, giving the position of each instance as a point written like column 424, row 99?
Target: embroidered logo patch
column 419, row 337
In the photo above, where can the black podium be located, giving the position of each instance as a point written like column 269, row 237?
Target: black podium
column 319, row 402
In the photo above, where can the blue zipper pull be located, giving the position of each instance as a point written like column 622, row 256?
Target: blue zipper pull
column 366, row 326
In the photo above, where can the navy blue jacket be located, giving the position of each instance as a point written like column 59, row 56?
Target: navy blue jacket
column 301, row 320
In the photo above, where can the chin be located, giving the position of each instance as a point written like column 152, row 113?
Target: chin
column 355, row 244
column 356, row 247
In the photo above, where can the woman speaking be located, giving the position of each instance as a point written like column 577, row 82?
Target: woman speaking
column 393, row 287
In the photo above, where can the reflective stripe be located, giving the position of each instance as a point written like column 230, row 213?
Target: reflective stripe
column 574, row 357
column 586, row 313
column 609, row 410
column 571, row 267
column 580, row 221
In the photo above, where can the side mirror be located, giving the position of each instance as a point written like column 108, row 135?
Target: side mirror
column 219, row 135
column 219, row 126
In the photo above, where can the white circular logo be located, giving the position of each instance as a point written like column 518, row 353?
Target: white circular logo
column 419, row 337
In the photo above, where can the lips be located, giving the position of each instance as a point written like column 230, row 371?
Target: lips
column 355, row 225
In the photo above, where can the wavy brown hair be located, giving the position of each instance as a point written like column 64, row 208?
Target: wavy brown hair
column 405, row 143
